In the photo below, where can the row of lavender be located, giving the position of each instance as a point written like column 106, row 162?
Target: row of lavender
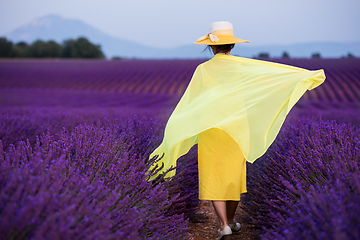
column 308, row 184
column 89, row 182
column 161, row 77
column 135, row 76
column 26, row 122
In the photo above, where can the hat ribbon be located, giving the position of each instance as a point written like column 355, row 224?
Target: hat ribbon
column 213, row 37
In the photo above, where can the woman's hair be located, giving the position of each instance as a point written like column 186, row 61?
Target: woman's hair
column 220, row 48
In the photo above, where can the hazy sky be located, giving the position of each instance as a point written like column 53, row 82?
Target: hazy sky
column 168, row 23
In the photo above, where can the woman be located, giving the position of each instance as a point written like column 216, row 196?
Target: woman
column 233, row 108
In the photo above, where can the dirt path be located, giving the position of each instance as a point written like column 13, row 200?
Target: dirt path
column 208, row 224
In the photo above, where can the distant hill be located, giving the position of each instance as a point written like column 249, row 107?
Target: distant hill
column 56, row 28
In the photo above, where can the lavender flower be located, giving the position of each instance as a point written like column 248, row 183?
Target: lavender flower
column 288, row 182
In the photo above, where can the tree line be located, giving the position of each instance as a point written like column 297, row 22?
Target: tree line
column 79, row 48
column 265, row 55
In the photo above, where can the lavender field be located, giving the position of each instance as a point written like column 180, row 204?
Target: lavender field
column 76, row 136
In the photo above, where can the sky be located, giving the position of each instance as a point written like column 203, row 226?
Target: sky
column 170, row 23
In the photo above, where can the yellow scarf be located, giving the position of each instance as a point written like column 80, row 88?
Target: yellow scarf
column 247, row 98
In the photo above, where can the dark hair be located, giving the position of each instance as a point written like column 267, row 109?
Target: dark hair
column 220, row 48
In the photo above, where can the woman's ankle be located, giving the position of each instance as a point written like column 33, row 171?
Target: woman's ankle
column 222, row 226
column 230, row 221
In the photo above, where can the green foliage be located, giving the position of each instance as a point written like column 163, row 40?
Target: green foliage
column 36, row 49
column 40, row 49
column 19, row 50
column 79, row 48
column 116, row 58
column 350, row 55
column 68, row 46
column 5, row 47
column 285, row 55
column 53, row 49
column 316, row 55
column 263, row 55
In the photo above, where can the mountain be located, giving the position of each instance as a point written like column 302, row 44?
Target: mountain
column 56, row 28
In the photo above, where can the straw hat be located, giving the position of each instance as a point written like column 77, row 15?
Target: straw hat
column 220, row 33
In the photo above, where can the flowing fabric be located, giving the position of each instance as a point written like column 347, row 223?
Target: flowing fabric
column 221, row 165
column 249, row 99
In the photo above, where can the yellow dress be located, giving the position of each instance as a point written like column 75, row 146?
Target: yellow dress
column 246, row 98
column 222, row 166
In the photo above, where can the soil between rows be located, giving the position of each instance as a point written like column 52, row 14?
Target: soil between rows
column 205, row 225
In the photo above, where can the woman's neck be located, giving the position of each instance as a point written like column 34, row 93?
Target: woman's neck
column 228, row 53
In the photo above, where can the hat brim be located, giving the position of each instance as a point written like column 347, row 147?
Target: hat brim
column 223, row 39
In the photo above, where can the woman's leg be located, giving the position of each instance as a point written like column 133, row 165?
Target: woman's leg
column 230, row 210
column 220, row 209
